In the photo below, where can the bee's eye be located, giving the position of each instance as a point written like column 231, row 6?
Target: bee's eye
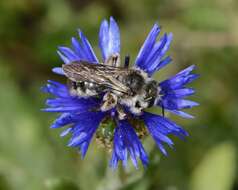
column 137, row 105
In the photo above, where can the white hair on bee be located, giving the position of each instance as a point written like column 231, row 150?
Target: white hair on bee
column 121, row 86
column 135, row 104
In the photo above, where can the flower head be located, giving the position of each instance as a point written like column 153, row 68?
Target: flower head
column 87, row 107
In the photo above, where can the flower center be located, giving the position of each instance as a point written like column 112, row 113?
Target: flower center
column 105, row 132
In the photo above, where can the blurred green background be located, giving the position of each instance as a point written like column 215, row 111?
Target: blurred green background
column 34, row 157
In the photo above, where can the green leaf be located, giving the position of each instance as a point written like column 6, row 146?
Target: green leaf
column 207, row 19
column 216, row 171
column 61, row 184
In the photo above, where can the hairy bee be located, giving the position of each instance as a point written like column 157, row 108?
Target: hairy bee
column 120, row 86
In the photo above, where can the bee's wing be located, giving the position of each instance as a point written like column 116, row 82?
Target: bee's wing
column 100, row 74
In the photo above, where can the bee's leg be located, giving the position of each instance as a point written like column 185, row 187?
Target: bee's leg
column 109, row 101
column 72, row 86
column 114, row 60
column 121, row 112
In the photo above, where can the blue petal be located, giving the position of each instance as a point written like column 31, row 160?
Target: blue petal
column 69, row 102
column 155, row 58
column 159, row 127
column 179, row 80
column 147, row 46
column 88, row 49
column 70, row 54
column 82, row 50
column 114, row 37
column 104, row 38
column 64, row 119
column 126, row 141
column 64, row 58
column 177, row 93
column 173, row 90
column 176, row 104
column 109, row 39
column 163, row 63
column 58, row 70
column 66, row 132
column 71, row 105
column 75, row 111
column 78, row 47
column 56, row 89
column 84, row 129
column 181, row 114
column 150, row 57
column 158, row 46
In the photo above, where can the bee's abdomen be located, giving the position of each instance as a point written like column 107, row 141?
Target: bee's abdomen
column 85, row 89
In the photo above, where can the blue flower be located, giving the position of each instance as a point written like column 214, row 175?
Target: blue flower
column 83, row 121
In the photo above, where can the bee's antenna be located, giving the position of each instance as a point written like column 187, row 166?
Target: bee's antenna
column 127, row 61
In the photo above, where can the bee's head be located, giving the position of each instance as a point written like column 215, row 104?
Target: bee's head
column 151, row 91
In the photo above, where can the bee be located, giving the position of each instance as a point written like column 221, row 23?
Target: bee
column 121, row 87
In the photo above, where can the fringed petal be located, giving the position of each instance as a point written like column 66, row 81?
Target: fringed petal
column 179, row 80
column 174, row 90
column 82, row 50
column 109, row 39
column 160, row 127
column 150, row 57
column 176, row 104
column 126, row 141
column 84, row 129
column 58, row 70
column 181, row 114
